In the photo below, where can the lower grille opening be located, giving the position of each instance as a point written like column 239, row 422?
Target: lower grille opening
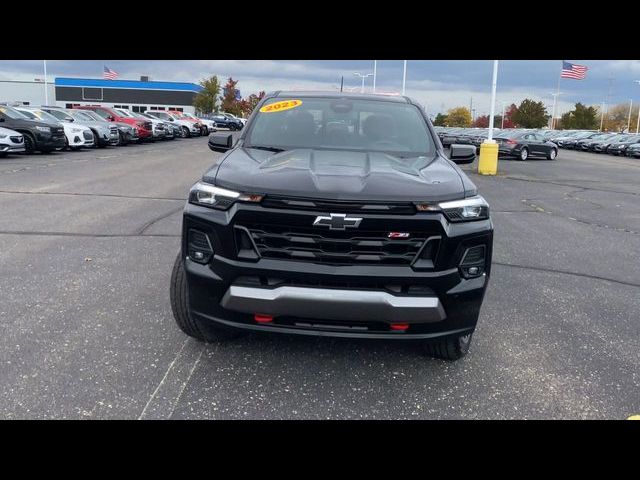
column 200, row 249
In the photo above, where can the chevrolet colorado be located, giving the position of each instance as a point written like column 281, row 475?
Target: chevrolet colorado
column 335, row 214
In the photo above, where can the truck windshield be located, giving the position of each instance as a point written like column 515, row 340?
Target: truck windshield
column 343, row 124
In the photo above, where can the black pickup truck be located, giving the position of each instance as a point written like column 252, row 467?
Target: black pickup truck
column 335, row 215
column 41, row 136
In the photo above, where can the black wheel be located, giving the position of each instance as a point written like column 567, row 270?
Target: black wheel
column 121, row 140
column 524, row 154
column 553, row 153
column 208, row 332
column 29, row 144
column 232, row 127
column 449, row 348
column 184, row 132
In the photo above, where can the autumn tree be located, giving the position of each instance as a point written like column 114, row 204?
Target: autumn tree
column 531, row 114
column 508, row 116
column 580, row 118
column 230, row 102
column 206, row 101
column 440, row 120
column 459, row 117
column 249, row 105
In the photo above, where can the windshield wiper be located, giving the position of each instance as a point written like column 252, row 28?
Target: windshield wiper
column 266, row 147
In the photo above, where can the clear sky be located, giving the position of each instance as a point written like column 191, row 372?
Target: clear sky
column 438, row 84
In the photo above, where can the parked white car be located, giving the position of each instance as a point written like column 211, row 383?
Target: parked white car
column 210, row 124
column 77, row 136
column 10, row 142
column 188, row 128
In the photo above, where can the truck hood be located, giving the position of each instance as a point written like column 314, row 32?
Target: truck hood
column 338, row 175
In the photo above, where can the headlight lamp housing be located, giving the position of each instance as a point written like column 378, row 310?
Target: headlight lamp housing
column 465, row 210
column 207, row 195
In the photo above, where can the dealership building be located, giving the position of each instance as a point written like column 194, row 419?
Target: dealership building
column 135, row 95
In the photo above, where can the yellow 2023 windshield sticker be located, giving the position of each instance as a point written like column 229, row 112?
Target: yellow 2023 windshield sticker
column 281, row 106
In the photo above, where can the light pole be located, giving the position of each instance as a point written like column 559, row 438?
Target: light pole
column 357, row 74
column 502, row 119
column 488, row 162
column 602, row 117
column 46, row 88
column 629, row 120
column 555, row 102
column 375, row 71
column 638, row 124
column 404, row 76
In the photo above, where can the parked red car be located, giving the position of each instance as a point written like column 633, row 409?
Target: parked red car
column 145, row 129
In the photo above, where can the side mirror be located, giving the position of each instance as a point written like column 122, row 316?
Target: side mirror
column 111, row 118
column 462, row 154
column 220, row 142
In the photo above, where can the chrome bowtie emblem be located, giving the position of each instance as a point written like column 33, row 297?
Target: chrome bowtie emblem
column 337, row 221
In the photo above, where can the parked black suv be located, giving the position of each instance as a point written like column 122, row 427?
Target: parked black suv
column 41, row 136
column 335, row 215
column 222, row 121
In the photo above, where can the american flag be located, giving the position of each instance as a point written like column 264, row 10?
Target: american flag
column 571, row 70
column 109, row 74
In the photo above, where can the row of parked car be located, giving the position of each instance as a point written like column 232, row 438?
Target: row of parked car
column 46, row 128
column 524, row 143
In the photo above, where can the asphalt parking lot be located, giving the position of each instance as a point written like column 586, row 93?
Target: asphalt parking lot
column 88, row 239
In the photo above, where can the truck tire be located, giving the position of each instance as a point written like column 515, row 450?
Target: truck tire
column 179, row 305
column 449, row 348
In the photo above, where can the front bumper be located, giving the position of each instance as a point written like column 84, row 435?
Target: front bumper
column 50, row 141
column 81, row 139
column 334, row 300
column 12, row 148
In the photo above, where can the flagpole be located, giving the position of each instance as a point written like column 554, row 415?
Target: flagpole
column 555, row 101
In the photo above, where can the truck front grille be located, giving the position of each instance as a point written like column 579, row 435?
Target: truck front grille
column 346, row 207
column 334, row 247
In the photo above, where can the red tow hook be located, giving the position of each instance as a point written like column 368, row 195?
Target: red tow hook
column 259, row 318
column 400, row 326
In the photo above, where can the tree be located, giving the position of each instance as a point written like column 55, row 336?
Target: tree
column 230, row 103
column 508, row 116
column 482, row 121
column 459, row 117
column 206, row 101
column 617, row 118
column 249, row 105
column 580, row 118
column 531, row 114
column 440, row 120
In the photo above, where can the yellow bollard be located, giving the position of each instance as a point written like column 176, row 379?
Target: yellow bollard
column 634, row 417
column 488, row 162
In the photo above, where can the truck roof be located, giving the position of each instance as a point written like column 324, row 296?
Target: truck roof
column 349, row 95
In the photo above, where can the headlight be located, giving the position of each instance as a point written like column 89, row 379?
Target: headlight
column 44, row 129
column 468, row 209
column 207, row 195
